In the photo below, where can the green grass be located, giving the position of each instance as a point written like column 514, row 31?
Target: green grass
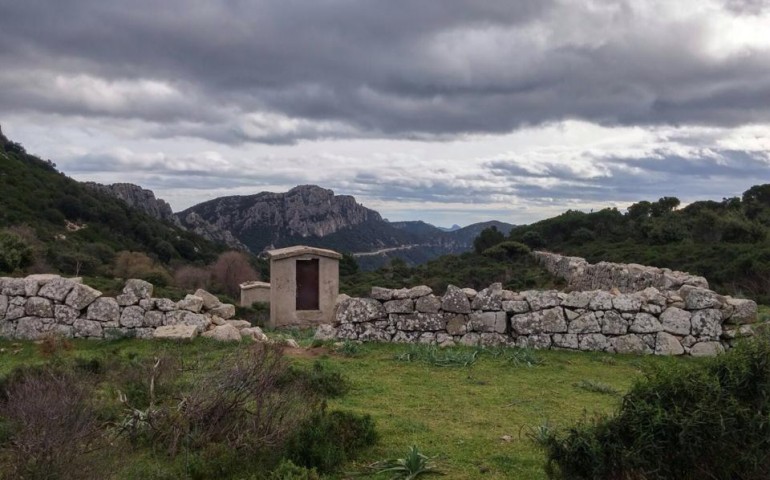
column 454, row 414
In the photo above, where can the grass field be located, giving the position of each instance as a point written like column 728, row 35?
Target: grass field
column 473, row 411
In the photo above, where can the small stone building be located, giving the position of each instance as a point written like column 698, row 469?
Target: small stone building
column 254, row 292
column 304, row 284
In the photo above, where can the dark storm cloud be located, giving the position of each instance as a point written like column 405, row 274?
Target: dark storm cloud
column 334, row 68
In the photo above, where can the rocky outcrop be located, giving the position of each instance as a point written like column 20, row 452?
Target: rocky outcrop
column 139, row 198
column 691, row 320
column 196, row 224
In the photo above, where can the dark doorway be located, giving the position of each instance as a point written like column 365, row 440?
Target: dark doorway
column 307, row 284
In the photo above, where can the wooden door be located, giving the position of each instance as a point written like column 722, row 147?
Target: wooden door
column 307, row 284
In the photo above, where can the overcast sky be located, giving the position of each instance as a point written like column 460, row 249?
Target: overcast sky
column 450, row 111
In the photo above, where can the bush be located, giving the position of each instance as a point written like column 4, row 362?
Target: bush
column 328, row 439
column 14, row 252
column 684, row 421
column 320, row 380
column 287, row 470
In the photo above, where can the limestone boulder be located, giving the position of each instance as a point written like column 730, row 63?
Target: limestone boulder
column 470, row 339
column 422, row 322
column 153, row 318
column 81, row 296
column 3, row 306
column 456, row 324
column 223, row 333
column 565, row 340
column 428, row 304
column 629, row 344
column 400, row 293
column 488, row 322
column 676, row 321
column 667, row 344
column 696, row 298
column 645, row 323
column 455, row 301
column 489, row 299
column 543, row 321
column 744, row 311
column 470, row 293
column 191, row 303
column 176, row 332
column 600, row 300
column 626, row 303
column 706, row 349
column 87, row 328
column 16, row 308
column 104, row 309
column 138, row 288
column 383, row 294
column 184, row 317
column 586, row 323
column 32, row 328
column 64, row 314
column 593, row 342
column 239, row 324
column 515, row 306
column 399, row 306
column 210, row 301
column 419, row 291
column 57, row 289
column 357, row 310
column 14, row 287
column 132, row 316
column 39, row 307
column 613, row 323
column 256, row 333
column 224, row 310
column 577, row 299
column 165, row 304
column 325, row 332
column 542, row 300
column 707, row 323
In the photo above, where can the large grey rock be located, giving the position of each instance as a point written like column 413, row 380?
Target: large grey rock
column 455, row 301
column 515, row 306
column 629, row 344
column 667, row 344
column 626, row 303
column 139, row 288
column 419, row 322
column 191, row 303
column 676, row 321
column 489, row 299
column 491, row 339
column 706, row 349
column 176, row 332
column 165, row 304
column 184, row 317
column 31, row 328
column 613, row 323
column 14, row 286
column 153, row 318
column 594, row 342
column 470, row 293
column 419, row 291
column 87, row 328
column 428, row 304
column 379, row 293
column 82, row 296
column 147, row 304
column 539, row 341
column 470, row 339
column 645, row 323
column 651, row 295
column 3, row 306
column 104, row 309
column 586, row 323
column 399, row 306
column 565, row 340
column 16, row 308
column 239, row 324
column 707, row 323
column 699, row 298
column 132, row 316
column 63, row 331
column 57, row 289
column 223, row 310
column 600, row 300
column 577, row 299
column 456, row 324
column 744, row 311
column 39, row 307
column 488, row 322
column 7, row 329
column 223, row 333
column 358, row 310
column 31, row 287
column 325, row 332
column 543, row 321
column 209, row 301
column 256, row 333
column 542, row 300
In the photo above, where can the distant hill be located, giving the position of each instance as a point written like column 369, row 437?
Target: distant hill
column 77, row 229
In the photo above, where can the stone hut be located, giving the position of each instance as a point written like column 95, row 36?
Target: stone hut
column 254, row 292
column 304, row 284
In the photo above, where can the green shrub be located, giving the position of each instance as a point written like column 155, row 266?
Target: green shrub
column 14, row 252
column 328, row 439
column 320, row 380
column 287, row 470
column 686, row 421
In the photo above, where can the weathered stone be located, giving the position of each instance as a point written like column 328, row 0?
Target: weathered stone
column 538, row 341
column 209, row 301
column 256, row 333
column 38, row 307
column 572, row 314
column 444, row 340
column 651, row 308
column 358, row 310
column 153, row 318
column 470, row 293
column 184, row 317
column 15, row 308
column 565, row 340
column 744, row 311
column 427, row 338
column 419, row 291
column 57, row 289
column 7, row 329
column 541, row 300
column 428, row 304
column 455, row 301
column 470, row 339
column 688, row 341
column 741, row 331
column 399, row 306
column 706, row 349
column 456, row 324
column 490, row 339
column 191, row 303
column 515, row 306
column 613, row 323
column 147, row 304
column 31, row 287
column 651, row 295
column 400, row 293
column 577, row 299
column 586, row 323
column 489, row 299
column 87, row 328
column 405, row 337
column 626, row 303
column 132, row 316
column 600, row 300
column 3, row 306
column 104, row 309
column 487, row 322
column 217, row 320
column 62, row 331
column 645, row 323
column 82, row 296
column 126, row 299
column 676, row 321
column 699, row 298
column 419, row 321
column 509, row 295
column 629, row 344
column 31, row 328
column 223, row 333
column 176, row 332
column 383, row 294
column 667, row 344
column 224, row 310
column 14, row 286
column 543, row 321
column 164, row 304
column 239, row 323
column 707, row 323
column 594, row 342
column 139, row 288
column 372, row 333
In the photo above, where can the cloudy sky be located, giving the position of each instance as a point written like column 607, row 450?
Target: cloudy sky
column 450, row 111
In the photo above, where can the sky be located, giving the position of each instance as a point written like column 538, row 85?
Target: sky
column 448, row 111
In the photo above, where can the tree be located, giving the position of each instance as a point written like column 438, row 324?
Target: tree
column 664, row 205
column 489, row 237
column 639, row 210
column 230, row 270
column 533, row 239
column 14, row 252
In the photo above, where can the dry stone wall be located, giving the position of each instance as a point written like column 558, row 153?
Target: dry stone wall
column 627, row 278
column 41, row 305
column 691, row 320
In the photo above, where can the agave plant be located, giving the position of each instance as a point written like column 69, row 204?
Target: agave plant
column 411, row 466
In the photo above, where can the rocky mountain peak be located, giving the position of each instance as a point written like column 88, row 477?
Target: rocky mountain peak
column 140, row 198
